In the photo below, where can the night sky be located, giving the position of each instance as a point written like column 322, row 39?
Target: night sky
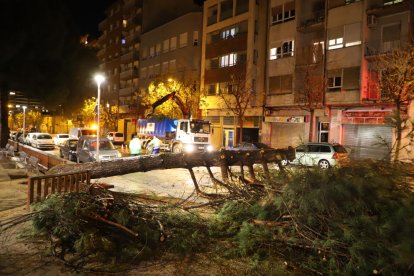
column 88, row 14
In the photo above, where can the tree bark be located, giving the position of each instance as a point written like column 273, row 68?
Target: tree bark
column 176, row 160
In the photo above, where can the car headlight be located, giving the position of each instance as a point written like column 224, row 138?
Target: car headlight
column 210, row 148
column 189, row 148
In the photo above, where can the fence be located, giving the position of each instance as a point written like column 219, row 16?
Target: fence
column 39, row 187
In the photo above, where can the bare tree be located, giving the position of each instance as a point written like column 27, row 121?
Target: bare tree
column 237, row 98
column 396, row 70
column 310, row 97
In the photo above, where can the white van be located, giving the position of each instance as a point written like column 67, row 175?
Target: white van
column 77, row 132
column 117, row 138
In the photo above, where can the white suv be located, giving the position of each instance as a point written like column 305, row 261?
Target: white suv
column 42, row 141
column 323, row 155
column 60, row 139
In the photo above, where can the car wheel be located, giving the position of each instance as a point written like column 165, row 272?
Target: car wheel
column 324, row 164
column 177, row 149
column 284, row 163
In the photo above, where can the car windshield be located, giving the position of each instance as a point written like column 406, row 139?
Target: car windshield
column 88, row 132
column 119, row 134
column 64, row 136
column 339, row 149
column 103, row 145
column 73, row 143
column 200, row 127
column 44, row 136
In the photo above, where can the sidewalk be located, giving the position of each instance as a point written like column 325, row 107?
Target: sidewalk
column 13, row 187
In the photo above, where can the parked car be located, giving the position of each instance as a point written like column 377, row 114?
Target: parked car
column 86, row 149
column 250, row 146
column 117, row 138
column 60, row 138
column 68, row 149
column 29, row 138
column 21, row 138
column 324, row 155
column 13, row 134
column 42, row 141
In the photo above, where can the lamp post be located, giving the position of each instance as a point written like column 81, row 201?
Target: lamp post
column 24, row 119
column 99, row 79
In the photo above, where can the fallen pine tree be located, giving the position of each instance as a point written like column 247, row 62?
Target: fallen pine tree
column 223, row 159
column 355, row 220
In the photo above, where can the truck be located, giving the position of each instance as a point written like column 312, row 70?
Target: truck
column 177, row 135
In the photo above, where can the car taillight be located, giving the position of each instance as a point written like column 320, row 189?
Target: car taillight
column 335, row 156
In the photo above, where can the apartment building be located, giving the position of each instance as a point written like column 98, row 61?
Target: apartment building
column 172, row 51
column 234, row 46
column 321, row 52
column 119, row 57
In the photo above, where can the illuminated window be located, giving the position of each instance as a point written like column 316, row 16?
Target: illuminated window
column 166, row 46
column 124, row 23
column 123, row 41
column 183, row 39
column 229, row 33
column 285, row 50
column 228, row 60
column 173, row 43
column 335, row 80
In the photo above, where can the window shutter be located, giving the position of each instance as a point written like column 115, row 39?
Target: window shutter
column 352, row 33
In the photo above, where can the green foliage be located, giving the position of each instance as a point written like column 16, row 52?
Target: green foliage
column 353, row 219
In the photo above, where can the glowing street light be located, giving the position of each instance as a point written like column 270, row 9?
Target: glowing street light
column 24, row 119
column 99, row 79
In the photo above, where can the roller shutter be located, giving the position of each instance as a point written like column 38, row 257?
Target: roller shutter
column 367, row 141
column 284, row 135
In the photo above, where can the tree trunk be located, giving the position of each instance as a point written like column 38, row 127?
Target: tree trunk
column 172, row 161
column 240, row 118
column 311, row 124
column 399, row 132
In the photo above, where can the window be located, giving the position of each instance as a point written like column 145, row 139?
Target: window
column 280, row 84
column 336, row 38
column 144, row 53
column 150, row 71
column 124, row 23
column 158, row 49
column 211, row 89
column 212, row 15
column 172, row 65
column 183, row 39
column 166, row 46
column 391, row 37
column 123, row 41
column 144, row 72
column 351, row 78
column 228, row 60
column 335, row 80
column 195, row 38
column 165, row 67
column 352, row 34
column 392, row 2
column 173, row 43
column 152, row 52
column 157, row 69
column 285, row 50
column 229, row 33
column 226, row 9
column 283, row 13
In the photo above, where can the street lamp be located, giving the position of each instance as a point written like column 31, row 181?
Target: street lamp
column 24, row 119
column 99, row 79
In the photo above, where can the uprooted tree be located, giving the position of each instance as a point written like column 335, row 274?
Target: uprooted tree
column 223, row 159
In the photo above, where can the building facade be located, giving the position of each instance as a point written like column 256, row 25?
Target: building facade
column 234, row 43
column 172, row 51
column 322, row 51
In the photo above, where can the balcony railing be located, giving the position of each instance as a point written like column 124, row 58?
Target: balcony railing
column 132, row 55
column 381, row 47
column 129, row 74
column 317, row 18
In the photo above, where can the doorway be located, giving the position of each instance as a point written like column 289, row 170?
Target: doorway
column 323, row 132
column 228, row 137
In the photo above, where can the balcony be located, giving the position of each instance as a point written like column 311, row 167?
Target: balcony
column 374, row 48
column 127, row 91
column 129, row 74
column 224, row 46
column 130, row 56
column 316, row 22
column 389, row 7
column 223, row 74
